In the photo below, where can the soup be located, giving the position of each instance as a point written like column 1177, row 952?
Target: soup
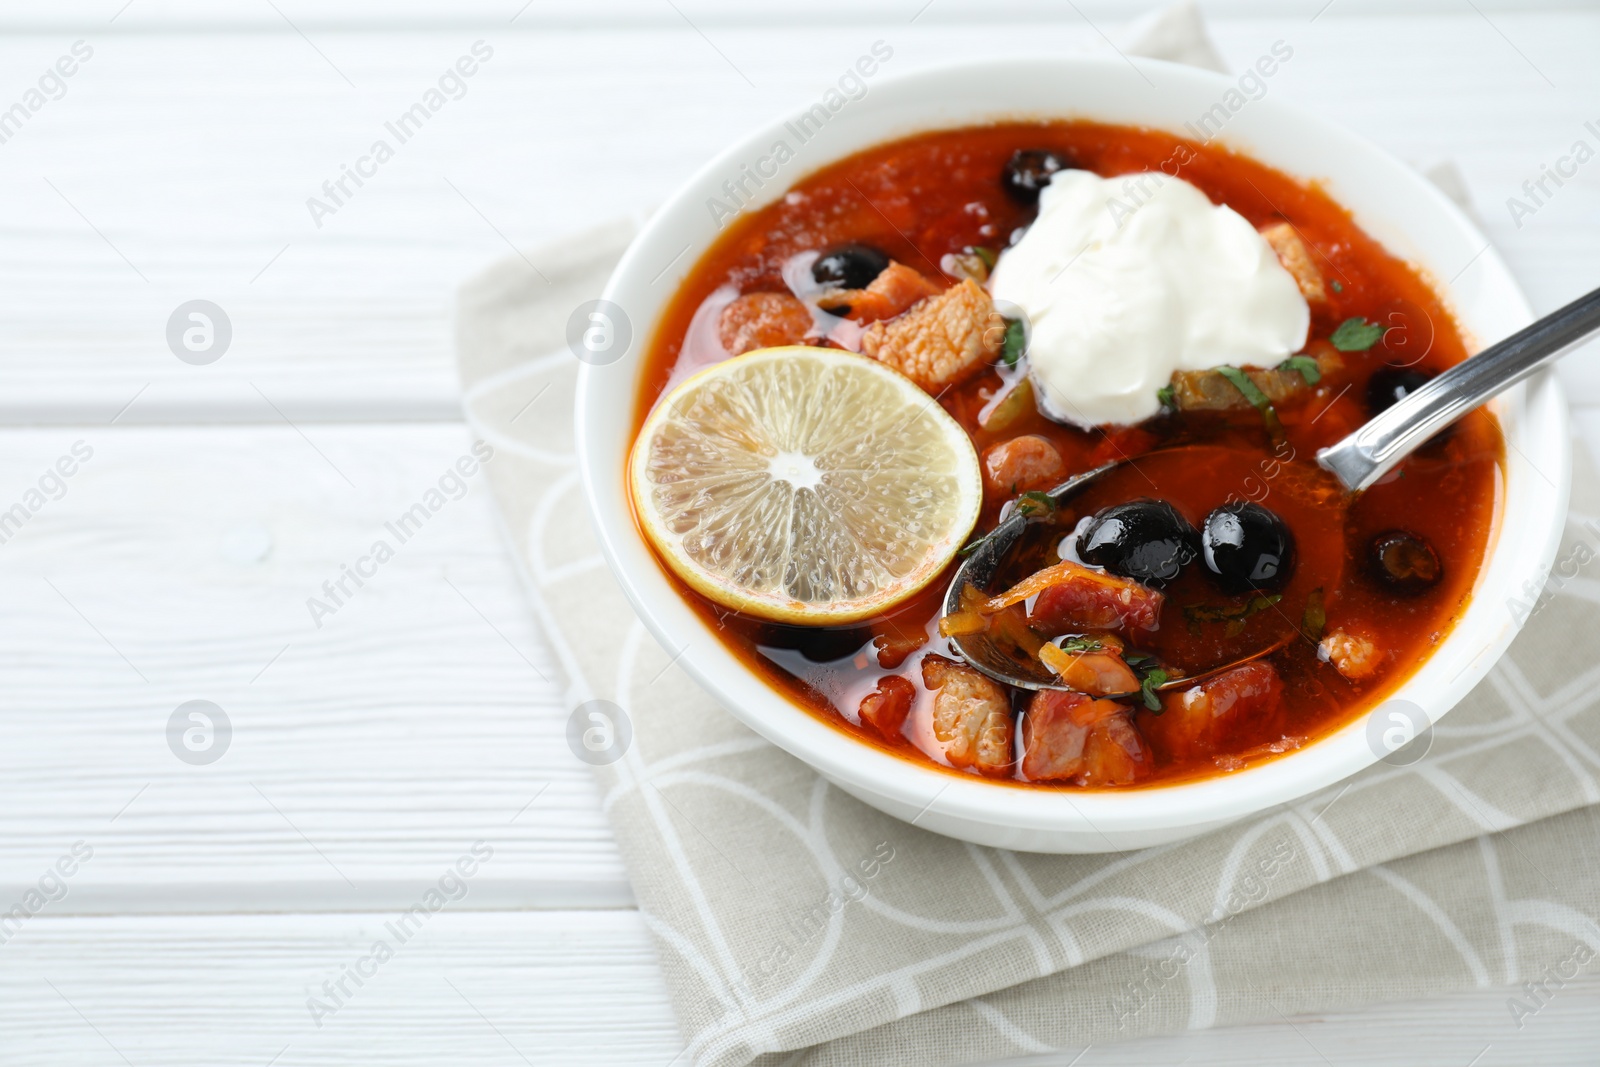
column 1215, row 599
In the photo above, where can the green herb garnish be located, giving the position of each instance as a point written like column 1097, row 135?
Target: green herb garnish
column 1306, row 366
column 1356, row 335
column 1015, row 343
column 1150, row 677
column 1315, row 618
column 1167, row 397
column 1251, row 392
column 1147, row 688
column 1337, row 287
column 1079, row 644
column 1234, row 615
column 985, row 254
column 1036, row 503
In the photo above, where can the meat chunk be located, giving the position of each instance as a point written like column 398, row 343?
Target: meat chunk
column 1052, row 737
column 1296, row 258
column 1208, row 390
column 942, row 341
column 894, row 290
column 885, row 708
column 971, row 717
column 1354, row 655
column 1115, row 752
column 1096, row 673
column 1023, row 463
column 763, row 320
column 891, row 644
column 1067, row 736
column 1198, row 719
column 1076, row 598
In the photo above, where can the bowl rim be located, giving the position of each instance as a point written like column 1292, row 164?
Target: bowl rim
column 1533, row 413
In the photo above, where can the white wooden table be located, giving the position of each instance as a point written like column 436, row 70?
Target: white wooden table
column 366, row 756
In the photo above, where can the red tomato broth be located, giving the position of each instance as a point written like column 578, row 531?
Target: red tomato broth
column 936, row 193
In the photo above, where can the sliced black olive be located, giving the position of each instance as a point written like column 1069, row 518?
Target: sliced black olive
column 1246, row 547
column 1405, row 562
column 849, row 266
column 1146, row 540
column 1390, row 385
column 1028, row 172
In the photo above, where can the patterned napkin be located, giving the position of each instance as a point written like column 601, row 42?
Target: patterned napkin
column 798, row 926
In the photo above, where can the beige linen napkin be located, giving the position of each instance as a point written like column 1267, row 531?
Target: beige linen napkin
column 798, row 926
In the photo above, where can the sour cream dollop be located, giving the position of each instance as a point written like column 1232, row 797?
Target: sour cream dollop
column 1125, row 280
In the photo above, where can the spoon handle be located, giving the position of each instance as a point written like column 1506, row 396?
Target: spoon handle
column 1373, row 450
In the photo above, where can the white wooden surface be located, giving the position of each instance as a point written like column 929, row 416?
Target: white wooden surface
column 369, row 754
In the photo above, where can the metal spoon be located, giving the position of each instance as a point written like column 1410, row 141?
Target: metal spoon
column 1357, row 461
column 1390, row 436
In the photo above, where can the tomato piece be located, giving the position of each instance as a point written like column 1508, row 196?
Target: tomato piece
column 886, row 707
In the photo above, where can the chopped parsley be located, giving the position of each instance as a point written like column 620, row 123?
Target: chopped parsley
column 1148, row 685
column 1337, row 287
column 1167, row 397
column 1356, row 335
column 1251, row 392
column 1235, row 615
column 1036, row 504
column 1015, row 343
column 1079, row 644
column 1306, row 366
column 985, row 254
column 1151, row 678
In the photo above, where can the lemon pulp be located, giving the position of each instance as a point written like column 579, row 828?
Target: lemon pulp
column 805, row 485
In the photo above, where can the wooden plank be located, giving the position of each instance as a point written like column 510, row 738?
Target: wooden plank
column 568, row 988
column 354, row 15
column 561, row 129
column 422, row 715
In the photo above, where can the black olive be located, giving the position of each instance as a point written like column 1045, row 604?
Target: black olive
column 1246, row 547
column 1028, row 172
column 849, row 266
column 1405, row 562
column 819, row 644
column 1390, row 385
column 1146, row 540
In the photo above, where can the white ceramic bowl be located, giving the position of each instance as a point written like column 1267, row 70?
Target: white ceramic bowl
column 1394, row 204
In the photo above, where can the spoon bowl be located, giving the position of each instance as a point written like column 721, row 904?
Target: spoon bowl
column 984, row 564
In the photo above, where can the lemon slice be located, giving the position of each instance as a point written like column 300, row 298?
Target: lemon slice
column 806, row 485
